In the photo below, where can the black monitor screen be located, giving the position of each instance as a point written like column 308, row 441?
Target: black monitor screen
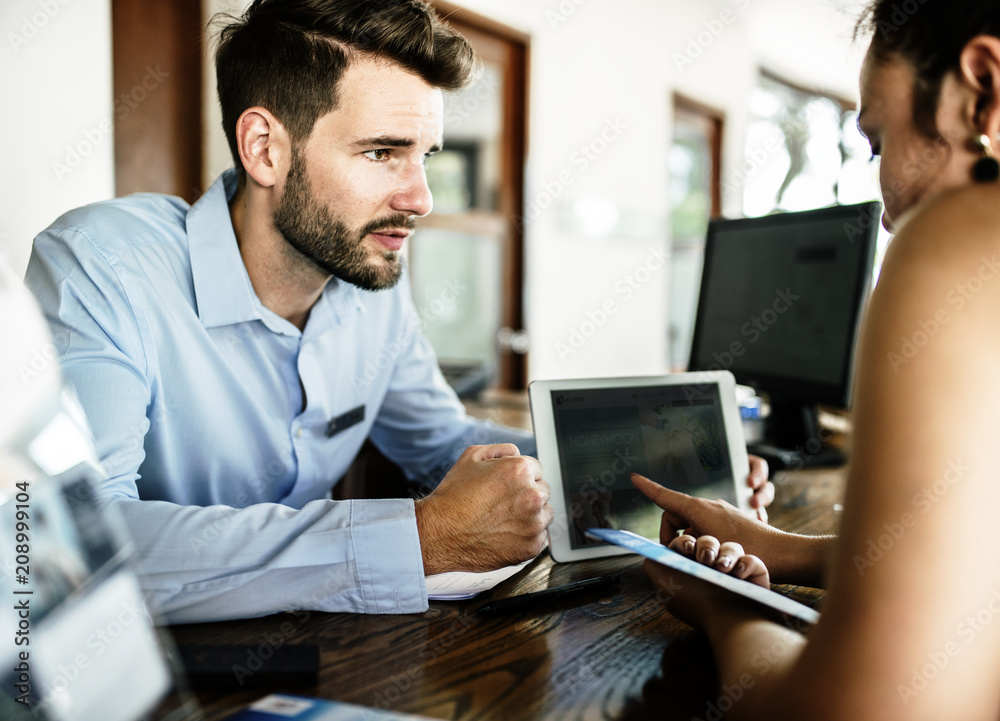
column 781, row 299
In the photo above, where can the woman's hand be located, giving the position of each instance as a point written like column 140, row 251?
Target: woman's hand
column 791, row 558
column 695, row 601
column 763, row 489
column 727, row 557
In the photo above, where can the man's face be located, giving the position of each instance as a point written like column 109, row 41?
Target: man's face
column 357, row 184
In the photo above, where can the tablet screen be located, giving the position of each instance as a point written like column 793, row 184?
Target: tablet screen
column 672, row 434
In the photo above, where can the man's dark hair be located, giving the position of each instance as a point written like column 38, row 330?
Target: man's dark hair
column 930, row 36
column 288, row 55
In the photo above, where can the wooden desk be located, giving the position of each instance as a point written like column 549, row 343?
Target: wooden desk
column 616, row 656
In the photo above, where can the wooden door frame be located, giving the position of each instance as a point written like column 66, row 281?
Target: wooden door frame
column 513, row 369
column 157, row 81
column 715, row 118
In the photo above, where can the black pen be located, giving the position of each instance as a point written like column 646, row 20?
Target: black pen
column 529, row 600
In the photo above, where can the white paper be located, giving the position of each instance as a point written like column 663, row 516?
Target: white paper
column 459, row 585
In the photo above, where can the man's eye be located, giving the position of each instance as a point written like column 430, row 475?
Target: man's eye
column 378, row 155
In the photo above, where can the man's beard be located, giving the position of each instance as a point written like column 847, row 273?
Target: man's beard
column 327, row 242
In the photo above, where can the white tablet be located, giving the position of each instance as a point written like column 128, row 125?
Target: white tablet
column 682, row 431
column 633, row 543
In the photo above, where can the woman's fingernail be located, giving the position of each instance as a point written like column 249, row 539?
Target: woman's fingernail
column 725, row 561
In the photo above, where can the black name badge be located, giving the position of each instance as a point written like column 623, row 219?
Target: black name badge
column 345, row 421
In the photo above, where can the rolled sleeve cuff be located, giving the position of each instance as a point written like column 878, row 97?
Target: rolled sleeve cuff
column 387, row 553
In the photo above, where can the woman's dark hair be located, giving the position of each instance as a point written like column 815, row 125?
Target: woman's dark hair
column 288, row 55
column 930, row 36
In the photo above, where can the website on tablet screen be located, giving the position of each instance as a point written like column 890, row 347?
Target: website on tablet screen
column 674, row 435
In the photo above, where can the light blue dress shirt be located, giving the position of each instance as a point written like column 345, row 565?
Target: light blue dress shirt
column 193, row 390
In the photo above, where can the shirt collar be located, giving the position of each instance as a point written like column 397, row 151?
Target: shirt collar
column 222, row 285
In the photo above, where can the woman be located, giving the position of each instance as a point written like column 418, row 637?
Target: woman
column 907, row 634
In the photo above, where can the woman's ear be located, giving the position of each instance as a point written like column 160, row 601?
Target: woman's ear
column 264, row 146
column 979, row 67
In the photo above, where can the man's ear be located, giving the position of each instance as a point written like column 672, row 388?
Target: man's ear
column 264, row 146
column 979, row 65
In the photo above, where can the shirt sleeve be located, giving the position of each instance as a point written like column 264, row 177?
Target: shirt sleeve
column 422, row 425
column 215, row 562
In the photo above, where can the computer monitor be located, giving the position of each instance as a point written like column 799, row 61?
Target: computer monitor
column 780, row 304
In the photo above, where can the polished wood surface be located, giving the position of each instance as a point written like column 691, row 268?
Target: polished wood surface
column 612, row 655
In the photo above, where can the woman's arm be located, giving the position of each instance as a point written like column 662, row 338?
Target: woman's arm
column 908, row 627
column 790, row 557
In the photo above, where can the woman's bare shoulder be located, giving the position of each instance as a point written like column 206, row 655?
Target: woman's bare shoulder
column 952, row 226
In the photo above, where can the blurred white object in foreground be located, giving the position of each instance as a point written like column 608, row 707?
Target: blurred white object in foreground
column 76, row 639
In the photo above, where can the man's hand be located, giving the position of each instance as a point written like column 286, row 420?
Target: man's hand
column 491, row 510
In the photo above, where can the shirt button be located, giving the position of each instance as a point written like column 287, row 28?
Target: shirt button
column 298, row 433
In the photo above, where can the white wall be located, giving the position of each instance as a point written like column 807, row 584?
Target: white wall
column 58, row 143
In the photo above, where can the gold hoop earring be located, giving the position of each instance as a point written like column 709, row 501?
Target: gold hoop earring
column 986, row 169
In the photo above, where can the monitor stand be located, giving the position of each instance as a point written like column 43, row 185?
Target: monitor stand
column 792, row 438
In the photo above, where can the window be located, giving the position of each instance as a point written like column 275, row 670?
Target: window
column 804, row 150
column 801, row 147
